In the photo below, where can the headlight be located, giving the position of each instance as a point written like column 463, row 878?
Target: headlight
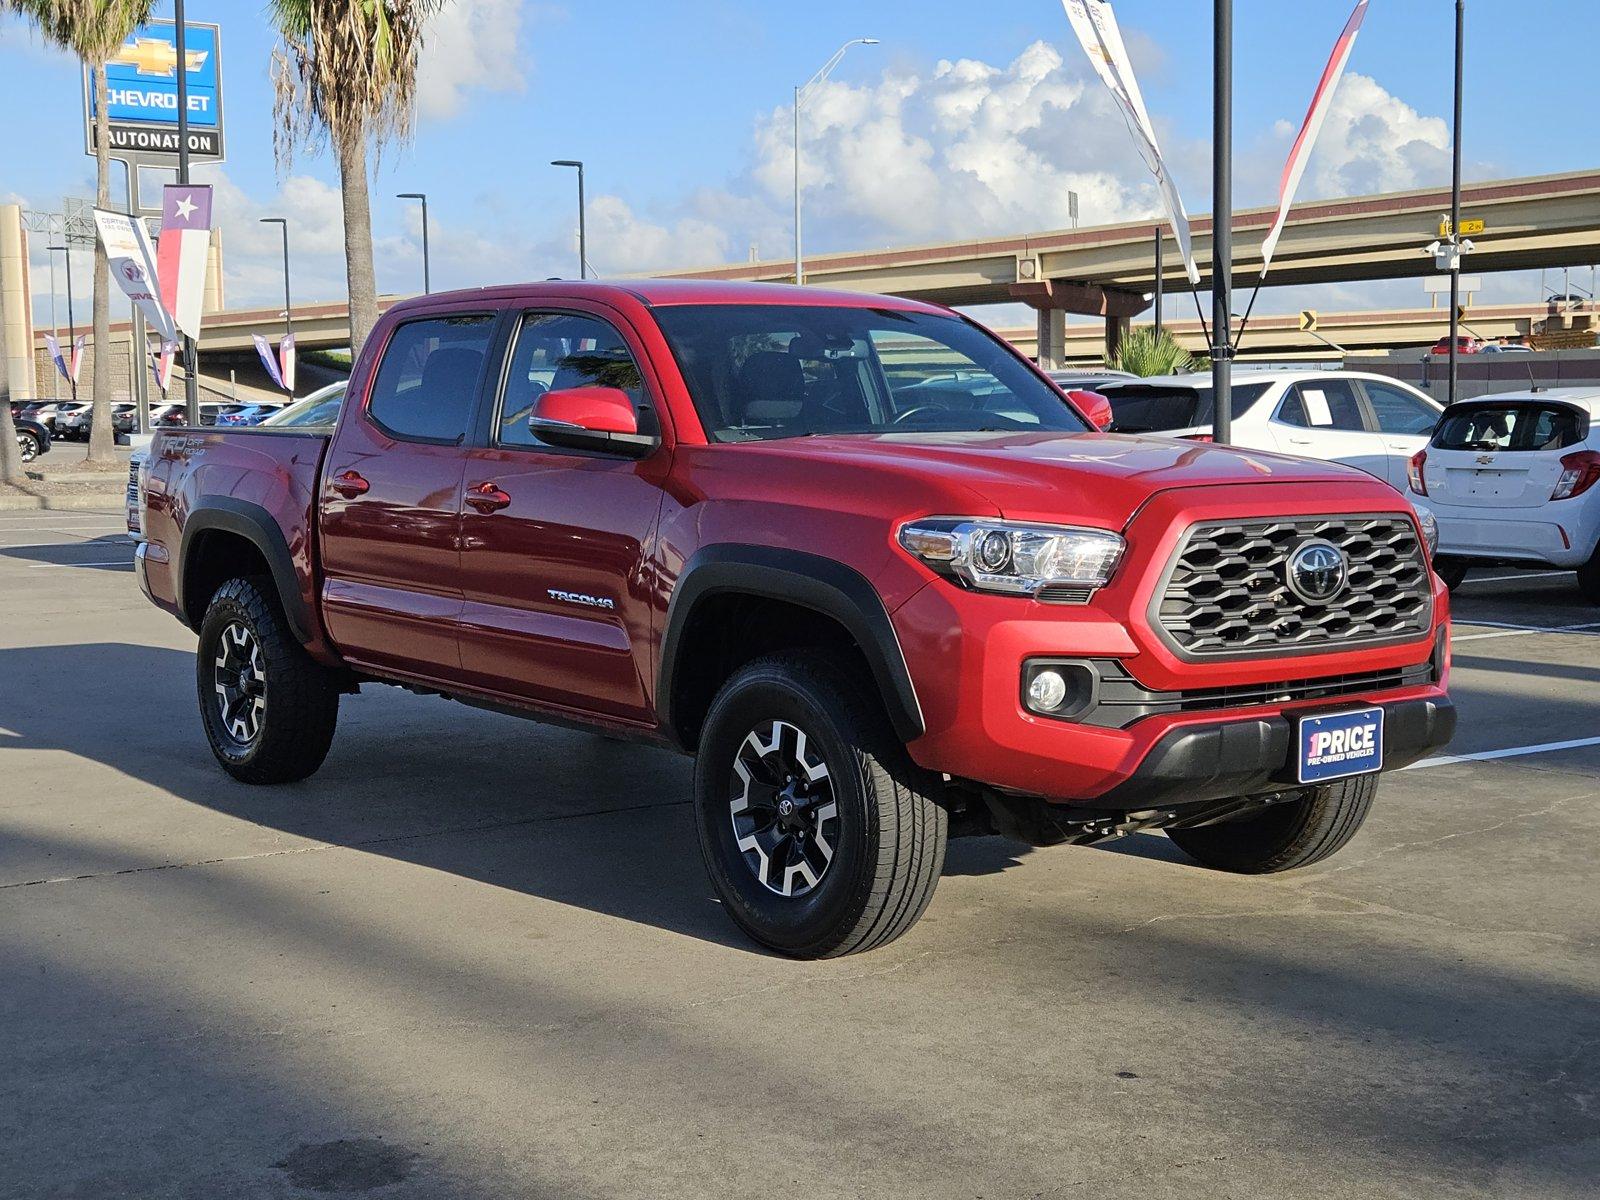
column 1430, row 528
column 1013, row 557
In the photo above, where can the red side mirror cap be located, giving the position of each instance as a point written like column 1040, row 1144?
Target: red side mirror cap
column 1096, row 409
column 597, row 409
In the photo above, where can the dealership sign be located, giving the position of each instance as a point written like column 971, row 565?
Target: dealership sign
column 142, row 92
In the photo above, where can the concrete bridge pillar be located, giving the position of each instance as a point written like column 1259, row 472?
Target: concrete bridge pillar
column 1054, row 298
column 16, row 304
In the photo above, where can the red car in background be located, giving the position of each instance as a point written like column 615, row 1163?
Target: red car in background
column 1465, row 344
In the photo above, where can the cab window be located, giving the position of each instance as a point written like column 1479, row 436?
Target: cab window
column 557, row 351
column 428, row 378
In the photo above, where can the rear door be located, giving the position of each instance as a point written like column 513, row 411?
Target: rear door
column 556, row 543
column 1323, row 418
column 1405, row 420
column 1500, row 454
column 391, row 498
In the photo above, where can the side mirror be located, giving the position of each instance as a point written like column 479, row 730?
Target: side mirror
column 1096, row 409
column 590, row 418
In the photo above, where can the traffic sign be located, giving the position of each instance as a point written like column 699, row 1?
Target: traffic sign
column 1308, row 320
column 1467, row 227
column 142, row 94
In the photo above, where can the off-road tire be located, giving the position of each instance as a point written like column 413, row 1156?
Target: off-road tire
column 890, row 830
column 300, row 696
column 27, row 445
column 1290, row 834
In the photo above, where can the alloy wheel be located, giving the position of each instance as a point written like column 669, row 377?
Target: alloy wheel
column 241, row 683
column 785, row 818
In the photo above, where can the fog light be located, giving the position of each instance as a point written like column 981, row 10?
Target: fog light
column 1046, row 691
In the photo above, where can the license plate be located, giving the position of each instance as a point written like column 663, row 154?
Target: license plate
column 1340, row 744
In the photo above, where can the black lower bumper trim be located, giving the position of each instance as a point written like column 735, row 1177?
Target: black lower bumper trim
column 1242, row 758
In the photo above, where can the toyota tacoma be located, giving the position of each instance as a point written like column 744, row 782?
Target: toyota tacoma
column 884, row 579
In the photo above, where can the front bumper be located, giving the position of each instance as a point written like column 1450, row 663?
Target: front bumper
column 1244, row 758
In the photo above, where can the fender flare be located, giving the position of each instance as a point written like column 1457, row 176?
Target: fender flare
column 822, row 584
column 258, row 527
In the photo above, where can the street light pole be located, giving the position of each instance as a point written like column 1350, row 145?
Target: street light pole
column 583, row 233
column 427, row 281
column 191, row 357
column 1222, row 222
column 72, row 329
column 1455, row 201
column 282, row 224
column 1159, row 283
column 800, row 94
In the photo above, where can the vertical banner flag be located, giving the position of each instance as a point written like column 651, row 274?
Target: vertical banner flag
column 161, row 360
column 181, row 252
column 286, row 362
column 133, row 265
column 268, row 358
column 77, row 358
column 54, row 347
column 1096, row 27
column 1300, row 152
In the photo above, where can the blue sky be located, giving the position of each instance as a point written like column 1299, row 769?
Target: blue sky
column 968, row 119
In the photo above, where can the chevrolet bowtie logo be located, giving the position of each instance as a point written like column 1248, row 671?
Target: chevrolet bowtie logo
column 155, row 56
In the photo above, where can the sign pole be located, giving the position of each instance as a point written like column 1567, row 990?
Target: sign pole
column 140, row 357
column 1159, row 284
column 1222, row 222
column 191, row 356
column 1455, row 205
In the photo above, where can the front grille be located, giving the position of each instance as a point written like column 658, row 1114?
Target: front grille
column 1227, row 592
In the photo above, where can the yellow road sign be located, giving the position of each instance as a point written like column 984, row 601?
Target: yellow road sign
column 1467, row 227
column 1308, row 320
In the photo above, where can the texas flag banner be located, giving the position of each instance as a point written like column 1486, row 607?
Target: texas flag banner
column 286, row 362
column 268, row 359
column 161, row 360
column 181, row 252
column 1300, row 153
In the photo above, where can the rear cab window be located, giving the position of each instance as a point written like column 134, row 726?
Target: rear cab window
column 429, row 377
column 1515, row 425
column 1154, row 408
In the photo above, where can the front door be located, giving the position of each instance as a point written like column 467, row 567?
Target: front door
column 391, row 505
column 557, row 544
column 1322, row 418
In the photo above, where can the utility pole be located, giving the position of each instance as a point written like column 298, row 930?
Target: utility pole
column 583, row 232
column 1455, row 202
column 427, row 280
column 1222, row 222
column 191, row 357
column 1158, row 281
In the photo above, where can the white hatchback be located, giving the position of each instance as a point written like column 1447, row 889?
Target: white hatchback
column 1511, row 481
column 1362, row 420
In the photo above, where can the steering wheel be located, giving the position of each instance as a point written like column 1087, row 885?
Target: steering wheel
column 912, row 412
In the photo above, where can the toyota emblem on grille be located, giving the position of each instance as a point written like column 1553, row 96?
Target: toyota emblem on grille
column 1317, row 571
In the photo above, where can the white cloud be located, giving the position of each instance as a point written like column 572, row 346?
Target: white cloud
column 1373, row 141
column 471, row 45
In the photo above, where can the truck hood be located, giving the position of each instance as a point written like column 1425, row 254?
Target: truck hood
column 1099, row 478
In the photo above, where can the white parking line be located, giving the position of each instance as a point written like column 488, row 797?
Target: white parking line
column 1504, row 630
column 1444, row 760
column 1519, row 575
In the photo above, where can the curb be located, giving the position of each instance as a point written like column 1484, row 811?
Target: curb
column 115, row 501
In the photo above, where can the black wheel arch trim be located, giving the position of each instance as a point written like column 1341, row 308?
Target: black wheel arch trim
column 256, row 525
column 823, row 585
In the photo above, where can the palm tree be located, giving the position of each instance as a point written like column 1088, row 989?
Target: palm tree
column 346, row 71
column 1145, row 352
column 10, row 455
column 94, row 30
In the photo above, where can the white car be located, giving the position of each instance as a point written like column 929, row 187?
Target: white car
column 1511, row 480
column 1362, row 420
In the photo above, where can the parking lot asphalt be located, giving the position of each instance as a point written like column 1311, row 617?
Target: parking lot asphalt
column 476, row 957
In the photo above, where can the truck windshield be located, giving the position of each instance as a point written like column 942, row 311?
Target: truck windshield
column 761, row 371
column 1511, row 426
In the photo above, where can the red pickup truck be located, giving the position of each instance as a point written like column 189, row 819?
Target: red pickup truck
column 857, row 554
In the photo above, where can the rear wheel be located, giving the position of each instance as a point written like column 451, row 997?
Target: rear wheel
column 819, row 834
column 1452, row 571
column 1289, row 834
column 1589, row 578
column 269, row 709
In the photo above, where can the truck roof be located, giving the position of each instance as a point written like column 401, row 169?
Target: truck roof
column 662, row 293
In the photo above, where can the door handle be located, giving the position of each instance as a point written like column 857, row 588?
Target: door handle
column 1300, row 441
column 487, row 497
column 349, row 485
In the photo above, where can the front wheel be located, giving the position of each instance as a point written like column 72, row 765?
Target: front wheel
column 1452, row 570
column 819, row 834
column 28, row 445
column 269, row 709
column 1589, row 578
column 1289, row 834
